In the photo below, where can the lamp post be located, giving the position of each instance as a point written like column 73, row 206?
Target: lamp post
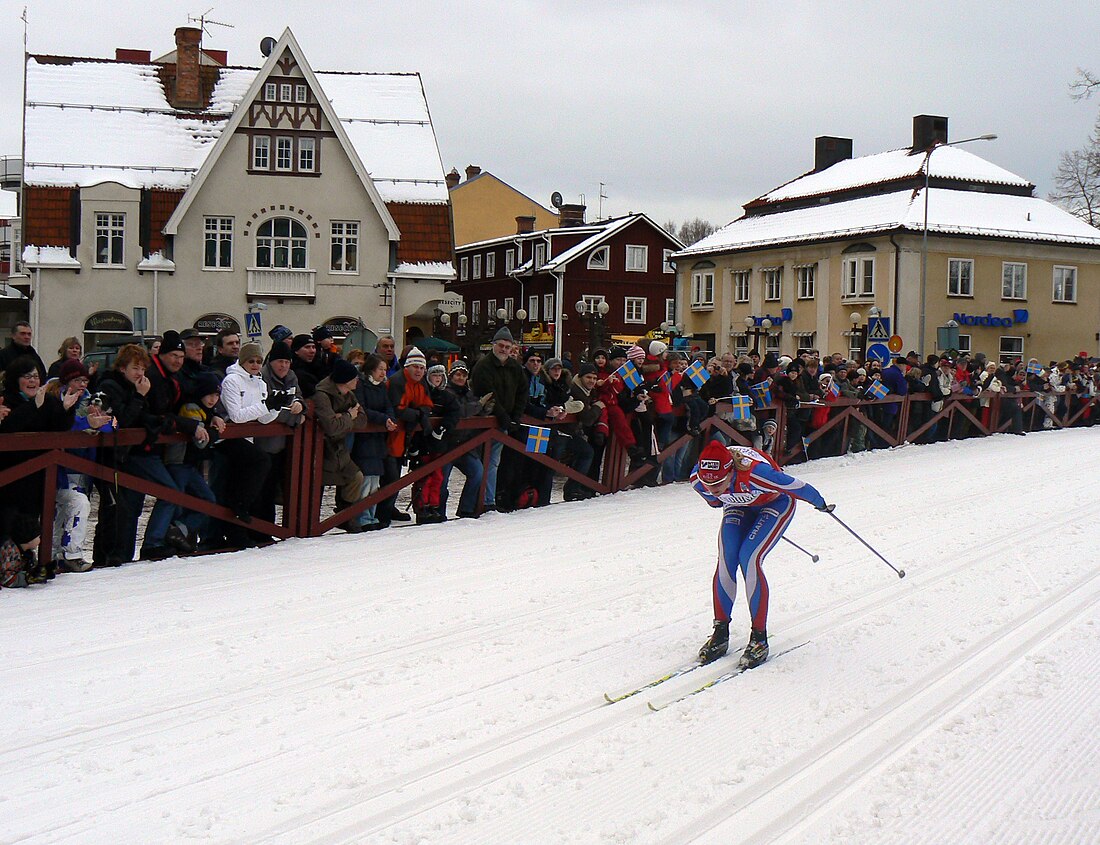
column 924, row 231
column 446, row 321
column 859, row 328
column 596, row 316
column 756, row 331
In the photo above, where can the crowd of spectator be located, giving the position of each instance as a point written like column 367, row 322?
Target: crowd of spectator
column 382, row 414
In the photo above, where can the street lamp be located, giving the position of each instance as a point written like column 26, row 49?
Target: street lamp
column 756, row 332
column 596, row 315
column 924, row 233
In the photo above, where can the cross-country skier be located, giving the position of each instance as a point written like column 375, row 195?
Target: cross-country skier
column 757, row 501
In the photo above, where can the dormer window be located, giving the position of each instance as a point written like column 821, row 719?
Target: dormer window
column 284, row 92
column 301, row 94
column 270, row 92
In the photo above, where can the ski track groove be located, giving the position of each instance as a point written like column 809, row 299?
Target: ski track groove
column 828, row 778
column 838, row 614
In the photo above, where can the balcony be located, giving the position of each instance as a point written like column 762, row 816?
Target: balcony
column 280, row 283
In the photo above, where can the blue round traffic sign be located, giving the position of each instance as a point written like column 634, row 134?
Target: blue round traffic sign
column 879, row 352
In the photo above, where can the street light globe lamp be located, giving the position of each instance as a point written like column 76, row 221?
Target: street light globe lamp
column 749, row 322
column 501, row 313
column 765, row 324
column 521, row 315
column 445, row 319
column 603, row 308
column 462, row 318
column 581, row 306
column 856, row 318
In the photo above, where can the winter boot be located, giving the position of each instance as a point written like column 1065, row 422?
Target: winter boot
column 717, row 645
column 756, row 652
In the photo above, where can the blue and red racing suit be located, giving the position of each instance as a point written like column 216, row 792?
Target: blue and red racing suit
column 755, row 512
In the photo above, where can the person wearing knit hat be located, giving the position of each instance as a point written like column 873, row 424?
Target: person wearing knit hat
column 636, row 354
column 503, row 334
column 280, row 333
column 657, row 348
column 614, row 353
column 437, row 369
column 415, row 358
column 344, row 372
column 250, row 351
column 280, row 352
column 170, row 343
column 300, row 341
column 72, row 368
column 459, row 365
column 551, row 363
column 320, row 334
column 586, row 369
column 758, row 501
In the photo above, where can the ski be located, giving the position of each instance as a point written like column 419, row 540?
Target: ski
column 675, row 673
column 733, row 673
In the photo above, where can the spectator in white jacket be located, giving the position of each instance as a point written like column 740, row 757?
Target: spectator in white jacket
column 244, row 395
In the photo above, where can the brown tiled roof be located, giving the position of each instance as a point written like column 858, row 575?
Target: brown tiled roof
column 425, row 231
column 162, row 204
column 47, row 215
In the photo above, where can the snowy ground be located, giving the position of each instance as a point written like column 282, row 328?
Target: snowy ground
column 444, row 684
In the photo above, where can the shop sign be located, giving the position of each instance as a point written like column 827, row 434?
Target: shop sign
column 109, row 321
column 340, row 327
column 1019, row 317
column 785, row 316
column 214, row 323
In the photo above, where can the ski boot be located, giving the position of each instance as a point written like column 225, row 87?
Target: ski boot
column 717, row 645
column 756, row 652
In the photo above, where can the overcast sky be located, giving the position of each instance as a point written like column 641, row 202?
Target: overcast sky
column 682, row 109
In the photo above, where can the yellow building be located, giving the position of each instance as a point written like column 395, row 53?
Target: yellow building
column 884, row 236
column 484, row 207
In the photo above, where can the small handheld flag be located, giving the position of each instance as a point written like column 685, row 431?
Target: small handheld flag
column 834, row 391
column 806, row 446
column 1034, row 368
column 742, row 407
column 665, row 380
column 878, row 390
column 697, row 372
column 538, row 439
column 629, row 374
column 762, row 394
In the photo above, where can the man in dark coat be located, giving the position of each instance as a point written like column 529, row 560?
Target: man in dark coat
column 20, row 345
column 227, row 346
column 501, row 376
column 304, row 349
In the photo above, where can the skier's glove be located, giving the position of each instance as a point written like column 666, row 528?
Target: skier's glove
column 826, row 508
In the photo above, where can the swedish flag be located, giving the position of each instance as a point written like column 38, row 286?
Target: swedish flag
column 742, row 407
column 878, row 390
column 762, row 394
column 538, row 439
column 1034, row 367
column 697, row 372
column 629, row 374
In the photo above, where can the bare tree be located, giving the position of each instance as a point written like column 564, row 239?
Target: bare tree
column 670, row 226
column 695, row 230
column 1085, row 85
column 1077, row 180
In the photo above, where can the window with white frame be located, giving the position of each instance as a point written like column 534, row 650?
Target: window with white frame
column 463, row 269
column 741, row 279
column 261, row 152
column 491, row 309
column 490, row 265
column 307, row 154
column 281, row 244
column 592, row 302
column 217, row 243
column 741, row 343
column 634, row 312
column 1013, row 280
column 702, row 289
column 532, row 308
column 540, row 255
column 600, row 259
column 509, row 260
column 964, row 344
column 670, row 310
column 806, row 275
column 475, row 312
column 300, row 95
column 509, row 307
column 1065, row 284
column 477, row 266
column 284, row 153
column 805, row 342
column 270, row 92
column 859, row 277
column 666, row 261
column 284, row 92
column 637, row 258
column 345, row 246
column 773, row 283
column 548, row 312
column 960, row 277
column 1011, row 348
column 110, row 239
column 771, row 343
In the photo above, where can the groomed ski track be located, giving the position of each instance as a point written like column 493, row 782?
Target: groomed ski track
column 444, row 684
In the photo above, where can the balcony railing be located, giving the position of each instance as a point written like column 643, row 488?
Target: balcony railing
column 279, row 282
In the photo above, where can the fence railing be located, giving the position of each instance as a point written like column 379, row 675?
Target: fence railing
column 890, row 421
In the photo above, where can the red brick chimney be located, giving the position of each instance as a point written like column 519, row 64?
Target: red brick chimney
column 525, row 223
column 472, row 170
column 453, row 179
column 570, row 215
column 188, row 78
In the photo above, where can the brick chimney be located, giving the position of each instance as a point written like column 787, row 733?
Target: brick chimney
column 453, row 178
column 525, row 223
column 829, row 150
column 188, row 78
column 570, row 215
column 472, row 170
column 927, row 130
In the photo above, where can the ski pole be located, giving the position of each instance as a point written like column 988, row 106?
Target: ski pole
column 811, row 555
column 900, row 572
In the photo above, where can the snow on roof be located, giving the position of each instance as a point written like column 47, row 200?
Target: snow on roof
column 49, row 256
column 949, row 212
column 577, row 250
column 157, row 261
column 946, row 162
column 426, row 270
column 127, row 131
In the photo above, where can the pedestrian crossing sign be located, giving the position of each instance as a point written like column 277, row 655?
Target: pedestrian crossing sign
column 878, row 329
column 252, row 324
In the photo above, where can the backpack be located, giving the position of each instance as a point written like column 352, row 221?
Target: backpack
column 12, row 565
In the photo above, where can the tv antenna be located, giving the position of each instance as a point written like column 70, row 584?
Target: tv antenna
column 203, row 21
column 603, row 196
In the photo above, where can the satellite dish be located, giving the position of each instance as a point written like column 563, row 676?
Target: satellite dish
column 267, row 45
column 555, row 199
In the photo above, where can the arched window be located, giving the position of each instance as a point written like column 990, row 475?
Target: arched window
column 281, row 243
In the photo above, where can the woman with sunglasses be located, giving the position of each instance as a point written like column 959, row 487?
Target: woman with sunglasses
column 757, row 501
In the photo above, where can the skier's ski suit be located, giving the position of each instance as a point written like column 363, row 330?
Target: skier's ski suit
column 756, row 511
